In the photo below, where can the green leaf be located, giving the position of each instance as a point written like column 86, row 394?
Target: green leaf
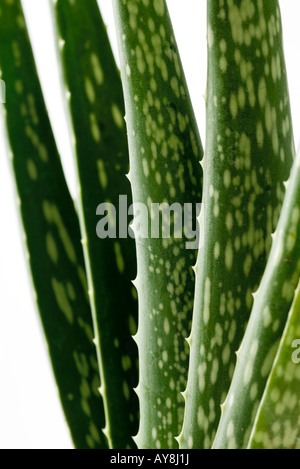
column 165, row 150
column 94, row 88
column 272, row 303
column 52, row 235
column 248, row 155
column 277, row 424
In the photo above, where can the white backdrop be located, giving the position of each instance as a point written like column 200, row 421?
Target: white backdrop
column 30, row 413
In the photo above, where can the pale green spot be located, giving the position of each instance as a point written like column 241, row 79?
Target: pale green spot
column 247, row 265
column 159, row 7
column 233, row 105
column 227, row 178
column 223, row 64
column 85, row 389
column 95, row 130
column 226, row 354
column 166, row 326
column 128, row 71
column 229, row 221
column 94, row 432
column 141, row 65
column 52, row 215
column 210, row 36
column 62, row 300
column 132, row 325
column 126, row 390
column 102, row 174
column 241, row 97
column 89, row 90
column 145, row 167
column 51, row 248
column 217, row 250
column 262, row 92
column 267, row 317
column 229, row 255
column 42, row 151
column 31, row 168
column 126, row 363
column 259, row 134
column 207, row 293
column 119, row 257
column 97, row 69
column 89, row 439
column 117, row 116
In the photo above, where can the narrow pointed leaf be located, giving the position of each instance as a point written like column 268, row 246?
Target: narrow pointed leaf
column 268, row 318
column 249, row 151
column 96, row 103
column 52, row 235
column 277, row 424
column 165, row 150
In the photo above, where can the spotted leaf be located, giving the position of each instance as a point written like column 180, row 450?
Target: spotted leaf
column 277, row 424
column 248, row 155
column 52, row 235
column 272, row 303
column 165, row 150
column 94, row 90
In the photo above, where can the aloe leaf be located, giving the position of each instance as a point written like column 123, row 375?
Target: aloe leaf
column 272, row 303
column 277, row 424
column 93, row 86
column 248, row 155
column 52, row 235
column 165, row 150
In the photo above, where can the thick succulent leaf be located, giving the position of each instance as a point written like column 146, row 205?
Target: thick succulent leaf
column 52, row 235
column 94, row 91
column 277, row 424
column 248, row 155
column 272, row 303
column 165, row 150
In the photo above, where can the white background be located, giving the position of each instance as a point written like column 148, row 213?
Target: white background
column 30, row 413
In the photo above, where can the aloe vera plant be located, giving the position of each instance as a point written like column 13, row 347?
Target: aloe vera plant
column 194, row 348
